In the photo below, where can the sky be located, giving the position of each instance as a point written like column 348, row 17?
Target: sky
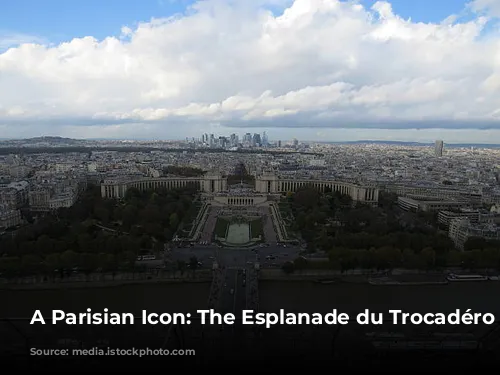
column 331, row 70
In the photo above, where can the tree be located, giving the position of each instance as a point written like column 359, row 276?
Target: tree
column 476, row 256
column 491, row 257
column 307, row 197
column 44, row 244
column 146, row 242
column 10, row 266
column 193, row 264
column 387, row 257
column 128, row 259
column 158, row 247
column 408, row 259
column 288, row 268
column 69, row 259
column 300, row 263
column 150, row 214
column 101, row 213
column 181, row 266
column 31, row 264
column 428, row 256
column 89, row 263
column 174, row 221
column 84, row 242
column 129, row 216
column 111, row 264
column 52, row 263
column 472, row 243
column 102, row 261
column 453, row 258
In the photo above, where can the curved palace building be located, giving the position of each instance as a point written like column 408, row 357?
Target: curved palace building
column 214, row 183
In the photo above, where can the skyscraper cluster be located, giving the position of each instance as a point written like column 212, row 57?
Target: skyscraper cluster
column 248, row 140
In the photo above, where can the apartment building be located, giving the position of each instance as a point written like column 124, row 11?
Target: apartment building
column 14, row 195
column 445, row 217
column 462, row 229
column 9, row 218
column 428, row 204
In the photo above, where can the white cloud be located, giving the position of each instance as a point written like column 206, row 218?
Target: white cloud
column 323, row 63
column 491, row 7
column 8, row 40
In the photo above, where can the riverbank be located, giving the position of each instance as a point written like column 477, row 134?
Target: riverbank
column 271, row 276
column 388, row 281
column 310, row 297
column 104, row 281
column 133, row 297
column 410, row 278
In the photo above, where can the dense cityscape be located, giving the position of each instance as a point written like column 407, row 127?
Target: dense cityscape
column 459, row 186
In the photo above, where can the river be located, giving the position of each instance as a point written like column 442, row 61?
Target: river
column 274, row 295
column 353, row 298
column 163, row 297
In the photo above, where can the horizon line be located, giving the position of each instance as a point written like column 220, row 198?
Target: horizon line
column 290, row 140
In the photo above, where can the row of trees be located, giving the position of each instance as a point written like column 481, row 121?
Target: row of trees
column 65, row 263
column 480, row 243
column 182, row 171
column 403, row 240
column 427, row 259
column 387, row 258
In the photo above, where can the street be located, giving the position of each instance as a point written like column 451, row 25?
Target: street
column 268, row 228
column 233, row 300
column 268, row 257
column 233, row 295
column 209, row 226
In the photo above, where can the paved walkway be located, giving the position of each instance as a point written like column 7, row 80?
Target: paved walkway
column 209, row 227
column 268, row 228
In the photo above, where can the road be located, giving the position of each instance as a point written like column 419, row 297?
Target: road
column 209, row 226
column 233, row 300
column 268, row 228
column 237, row 257
column 233, row 295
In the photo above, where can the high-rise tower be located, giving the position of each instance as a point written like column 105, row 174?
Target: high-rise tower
column 438, row 148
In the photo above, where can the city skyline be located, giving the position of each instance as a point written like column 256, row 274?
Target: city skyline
column 172, row 69
column 272, row 141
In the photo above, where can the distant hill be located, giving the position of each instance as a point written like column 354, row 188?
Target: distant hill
column 46, row 139
column 53, row 139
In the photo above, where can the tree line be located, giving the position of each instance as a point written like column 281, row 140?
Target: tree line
column 182, row 171
column 360, row 236
column 96, row 234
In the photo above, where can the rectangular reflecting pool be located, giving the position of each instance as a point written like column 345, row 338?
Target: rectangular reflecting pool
column 238, row 233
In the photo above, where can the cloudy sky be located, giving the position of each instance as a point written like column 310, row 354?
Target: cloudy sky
column 312, row 69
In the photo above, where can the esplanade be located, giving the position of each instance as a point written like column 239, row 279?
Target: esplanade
column 216, row 184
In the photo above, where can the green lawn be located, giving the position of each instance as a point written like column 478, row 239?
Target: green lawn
column 221, row 228
column 285, row 210
column 256, row 228
column 188, row 220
